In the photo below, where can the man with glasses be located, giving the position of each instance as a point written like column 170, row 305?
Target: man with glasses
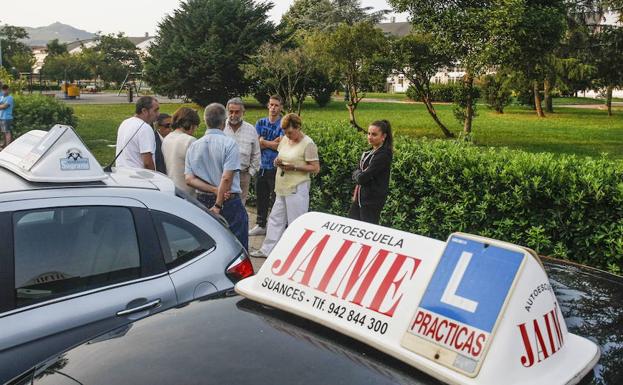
column 162, row 128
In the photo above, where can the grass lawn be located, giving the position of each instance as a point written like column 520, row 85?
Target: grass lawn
column 577, row 101
column 568, row 131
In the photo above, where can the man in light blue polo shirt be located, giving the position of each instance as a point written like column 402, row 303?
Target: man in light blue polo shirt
column 213, row 169
column 6, row 114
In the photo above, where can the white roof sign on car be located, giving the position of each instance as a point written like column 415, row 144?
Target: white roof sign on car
column 56, row 156
column 470, row 310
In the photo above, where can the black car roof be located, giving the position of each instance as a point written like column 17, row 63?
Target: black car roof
column 229, row 340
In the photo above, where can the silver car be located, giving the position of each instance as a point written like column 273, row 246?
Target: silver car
column 80, row 258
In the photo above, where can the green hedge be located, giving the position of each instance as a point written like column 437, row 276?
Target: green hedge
column 38, row 112
column 441, row 92
column 562, row 206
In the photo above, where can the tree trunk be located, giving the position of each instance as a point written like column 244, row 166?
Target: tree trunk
column 537, row 99
column 609, row 99
column 469, row 110
column 433, row 114
column 549, row 104
column 351, row 114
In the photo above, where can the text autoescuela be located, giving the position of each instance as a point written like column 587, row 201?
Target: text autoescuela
column 368, row 235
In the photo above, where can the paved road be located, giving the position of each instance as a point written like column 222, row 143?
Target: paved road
column 106, row 98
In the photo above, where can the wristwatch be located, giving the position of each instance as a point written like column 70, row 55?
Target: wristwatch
column 220, row 207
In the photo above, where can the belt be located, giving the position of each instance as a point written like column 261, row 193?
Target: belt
column 210, row 195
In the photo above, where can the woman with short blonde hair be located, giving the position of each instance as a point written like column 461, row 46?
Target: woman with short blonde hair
column 297, row 160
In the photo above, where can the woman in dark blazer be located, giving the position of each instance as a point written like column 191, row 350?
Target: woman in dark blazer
column 372, row 175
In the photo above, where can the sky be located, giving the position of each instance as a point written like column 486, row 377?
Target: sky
column 134, row 17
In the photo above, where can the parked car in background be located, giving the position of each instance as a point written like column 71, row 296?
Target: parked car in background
column 83, row 251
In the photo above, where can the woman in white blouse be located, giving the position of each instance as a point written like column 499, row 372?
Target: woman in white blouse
column 175, row 145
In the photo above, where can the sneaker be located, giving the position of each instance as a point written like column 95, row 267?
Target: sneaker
column 257, row 230
column 257, row 253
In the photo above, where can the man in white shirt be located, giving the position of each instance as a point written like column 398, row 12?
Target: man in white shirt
column 248, row 145
column 135, row 136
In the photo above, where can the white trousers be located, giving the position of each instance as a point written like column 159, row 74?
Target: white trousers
column 285, row 210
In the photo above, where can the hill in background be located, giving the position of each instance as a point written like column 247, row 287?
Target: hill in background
column 40, row 36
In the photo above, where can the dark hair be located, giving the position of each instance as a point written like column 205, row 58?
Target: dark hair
column 291, row 120
column 145, row 102
column 276, row 97
column 385, row 128
column 161, row 118
column 185, row 118
column 5, row 87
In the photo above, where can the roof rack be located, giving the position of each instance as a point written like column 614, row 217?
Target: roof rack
column 55, row 156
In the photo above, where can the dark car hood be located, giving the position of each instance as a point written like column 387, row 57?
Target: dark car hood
column 238, row 341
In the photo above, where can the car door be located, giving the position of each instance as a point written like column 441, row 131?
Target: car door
column 72, row 268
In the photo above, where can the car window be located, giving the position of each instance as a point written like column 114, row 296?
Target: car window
column 180, row 240
column 60, row 251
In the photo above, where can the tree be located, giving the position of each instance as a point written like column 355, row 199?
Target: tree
column 55, row 48
column 12, row 47
column 309, row 15
column 358, row 54
column 608, row 60
column 418, row 60
column 538, row 33
column 200, row 50
column 496, row 90
column 476, row 34
column 22, row 61
column 120, row 57
column 65, row 67
column 292, row 73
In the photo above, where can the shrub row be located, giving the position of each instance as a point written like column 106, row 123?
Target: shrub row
column 562, row 206
column 39, row 112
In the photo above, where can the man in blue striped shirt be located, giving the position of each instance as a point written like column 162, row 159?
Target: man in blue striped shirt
column 213, row 167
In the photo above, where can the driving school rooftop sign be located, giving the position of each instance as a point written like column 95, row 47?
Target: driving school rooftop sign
column 456, row 311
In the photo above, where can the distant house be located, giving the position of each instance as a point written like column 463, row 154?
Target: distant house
column 397, row 81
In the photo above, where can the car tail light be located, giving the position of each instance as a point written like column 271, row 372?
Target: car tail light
column 240, row 268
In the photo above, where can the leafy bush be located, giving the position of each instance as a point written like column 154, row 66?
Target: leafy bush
column 322, row 97
column 439, row 92
column 562, row 206
column 38, row 112
column 444, row 93
column 496, row 91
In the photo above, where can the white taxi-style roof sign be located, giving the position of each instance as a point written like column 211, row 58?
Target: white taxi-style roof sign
column 58, row 155
column 470, row 310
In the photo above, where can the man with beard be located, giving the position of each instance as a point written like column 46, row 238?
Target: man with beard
column 248, row 145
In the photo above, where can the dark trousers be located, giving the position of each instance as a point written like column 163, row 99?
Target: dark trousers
column 234, row 213
column 265, row 194
column 367, row 213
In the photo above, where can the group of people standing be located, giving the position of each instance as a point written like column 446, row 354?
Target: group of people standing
column 218, row 167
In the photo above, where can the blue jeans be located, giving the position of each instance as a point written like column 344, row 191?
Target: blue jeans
column 234, row 213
